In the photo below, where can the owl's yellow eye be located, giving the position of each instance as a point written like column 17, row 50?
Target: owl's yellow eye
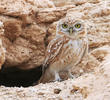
column 65, row 26
column 77, row 25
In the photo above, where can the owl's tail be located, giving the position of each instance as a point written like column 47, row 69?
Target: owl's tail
column 46, row 77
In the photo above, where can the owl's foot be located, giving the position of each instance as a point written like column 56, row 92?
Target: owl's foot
column 70, row 75
column 59, row 80
column 57, row 77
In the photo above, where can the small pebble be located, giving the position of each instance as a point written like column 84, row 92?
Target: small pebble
column 57, row 91
column 40, row 93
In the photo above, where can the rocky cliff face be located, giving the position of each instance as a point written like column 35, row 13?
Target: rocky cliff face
column 27, row 26
column 23, row 38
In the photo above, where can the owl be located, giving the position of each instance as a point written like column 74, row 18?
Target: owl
column 66, row 50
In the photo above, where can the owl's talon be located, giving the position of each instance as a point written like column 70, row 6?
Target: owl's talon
column 70, row 75
column 59, row 80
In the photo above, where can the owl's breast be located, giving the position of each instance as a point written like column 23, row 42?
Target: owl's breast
column 72, row 52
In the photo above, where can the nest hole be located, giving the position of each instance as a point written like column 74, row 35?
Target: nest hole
column 11, row 77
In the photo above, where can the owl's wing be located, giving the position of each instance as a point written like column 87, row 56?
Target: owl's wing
column 53, row 49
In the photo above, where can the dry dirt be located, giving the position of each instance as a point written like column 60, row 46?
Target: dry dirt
column 27, row 26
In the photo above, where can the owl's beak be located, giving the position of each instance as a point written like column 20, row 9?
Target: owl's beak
column 70, row 30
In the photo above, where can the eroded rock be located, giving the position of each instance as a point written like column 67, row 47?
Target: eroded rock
column 2, row 49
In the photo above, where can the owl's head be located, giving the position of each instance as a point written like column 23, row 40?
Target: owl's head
column 71, row 27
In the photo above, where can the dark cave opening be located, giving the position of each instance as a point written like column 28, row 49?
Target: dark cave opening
column 11, row 77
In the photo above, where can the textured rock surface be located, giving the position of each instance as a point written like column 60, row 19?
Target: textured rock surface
column 2, row 49
column 23, row 38
column 73, row 2
column 28, row 28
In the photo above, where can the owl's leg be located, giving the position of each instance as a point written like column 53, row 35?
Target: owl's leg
column 57, row 77
column 70, row 75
